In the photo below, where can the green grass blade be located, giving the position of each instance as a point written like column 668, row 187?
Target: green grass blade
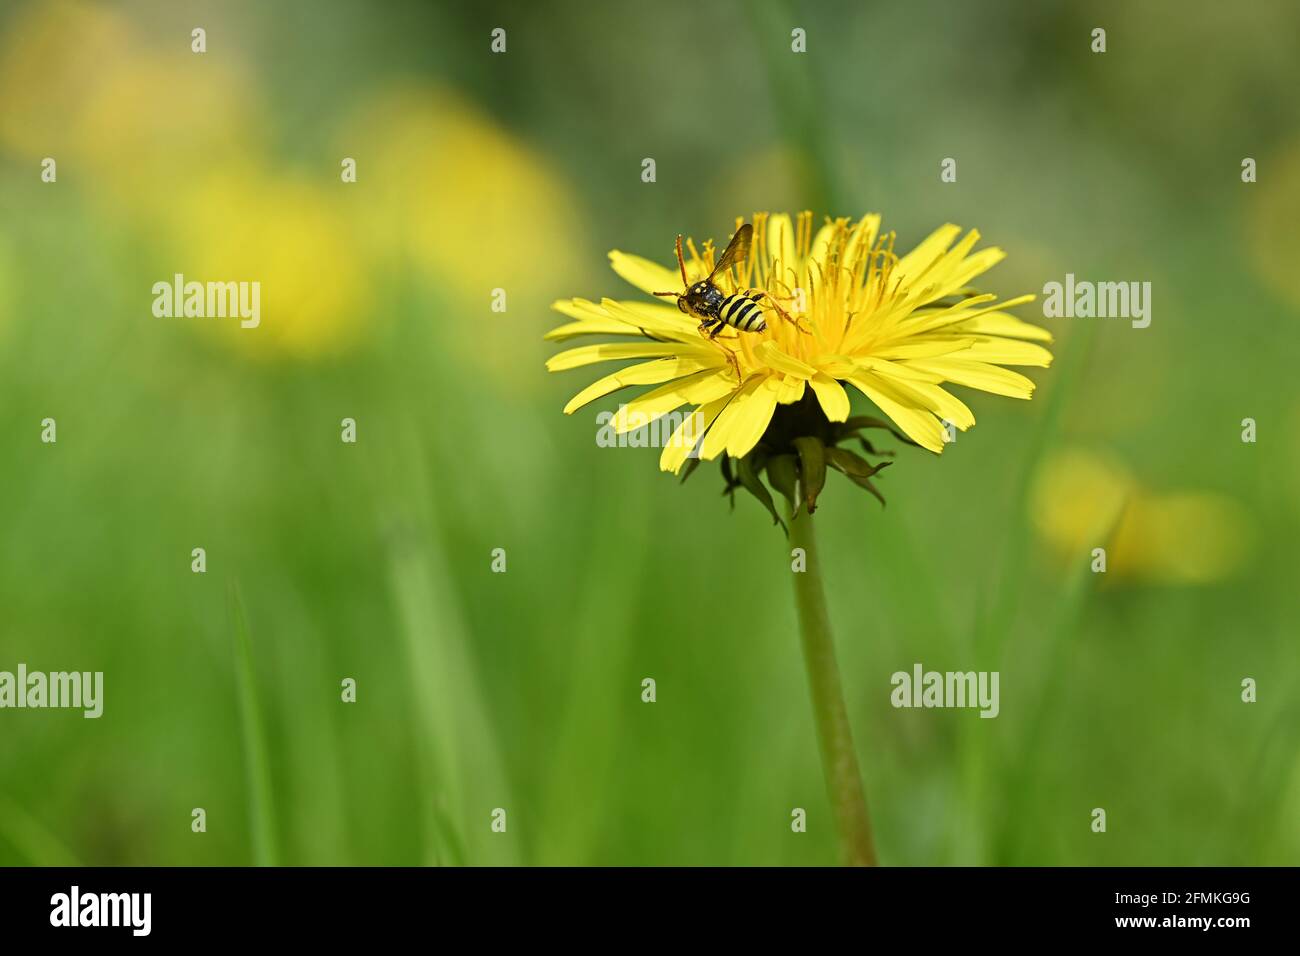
column 462, row 772
column 253, row 734
column 585, row 748
column 972, row 829
column 31, row 838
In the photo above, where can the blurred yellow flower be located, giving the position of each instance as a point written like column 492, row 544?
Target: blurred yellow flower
column 437, row 171
column 768, row 174
column 472, row 207
column 51, row 58
column 152, row 126
column 1271, row 224
column 1083, row 500
column 169, row 143
column 857, row 314
column 125, row 121
column 255, row 225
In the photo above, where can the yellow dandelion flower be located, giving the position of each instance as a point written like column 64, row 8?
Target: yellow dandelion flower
column 761, row 344
column 840, row 308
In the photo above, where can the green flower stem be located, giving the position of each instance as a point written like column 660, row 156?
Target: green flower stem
column 839, row 763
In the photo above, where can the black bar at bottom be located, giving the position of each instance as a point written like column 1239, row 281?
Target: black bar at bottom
column 365, row 905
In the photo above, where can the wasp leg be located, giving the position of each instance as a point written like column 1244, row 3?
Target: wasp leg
column 732, row 360
column 789, row 318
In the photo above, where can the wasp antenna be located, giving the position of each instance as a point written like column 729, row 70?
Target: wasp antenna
column 673, row 295
column 681, row 263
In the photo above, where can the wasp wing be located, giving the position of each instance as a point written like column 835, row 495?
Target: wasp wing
column 737, row 250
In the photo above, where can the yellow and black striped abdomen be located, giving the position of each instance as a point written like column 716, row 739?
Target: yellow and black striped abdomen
column 743, row 312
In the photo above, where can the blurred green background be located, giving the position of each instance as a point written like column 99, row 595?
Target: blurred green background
column 522, row 690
